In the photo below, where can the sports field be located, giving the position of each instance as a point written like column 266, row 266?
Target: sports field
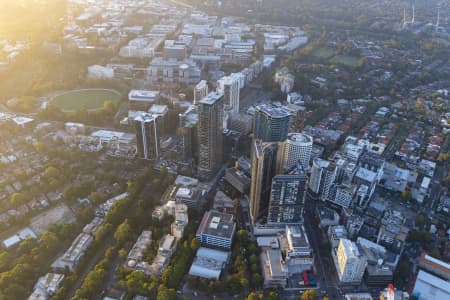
column 89, row 99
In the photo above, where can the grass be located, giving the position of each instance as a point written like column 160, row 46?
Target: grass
column 349, row 61
column 324, row 53
column 90, row 99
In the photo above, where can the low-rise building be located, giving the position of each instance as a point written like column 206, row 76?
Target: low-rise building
column 167, row 247
column 298, row 253
column 209, row 263
column 274, row 270
column 46, row 286
column 134, row 259
column 428, row 287
column 75, row 252
column 216, row 230
column 335, row 233
column 434, row 266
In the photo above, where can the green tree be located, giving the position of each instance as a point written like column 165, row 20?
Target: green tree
column 195, row 244
column 18, row 199
column 123, row 232
column 52, row 172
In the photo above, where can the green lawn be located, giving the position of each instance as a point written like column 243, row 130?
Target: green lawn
column 91, row 99
column 323, row 53
column 345, row 60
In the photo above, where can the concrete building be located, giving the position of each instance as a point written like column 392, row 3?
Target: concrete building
column 238, row 180
column 216, row 230
column 322, row 177
column 73, row 255
column 270, row 124
column 173, row 71
column 167, row 246
column 147, row 136
column 96, row 71
column 298, row 254
column 349, row 261
column 142, row 100
column 209, row 263
column 335, row 234
column 229, row 87
column 263, row 169
column 200, row 91
column 187, row 137
column 428, row 287
column 287, row 198
column 46, row 286
column 434, row 266
column 296, row 148
column 274, row 270
column 135, row 257
column 174, row 50
column 210, row 134
column 343, row 194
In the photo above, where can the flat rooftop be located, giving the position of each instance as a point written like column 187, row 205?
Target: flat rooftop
column 273, row 112
column 140, row 95
column 211, row 98
column 217, row 224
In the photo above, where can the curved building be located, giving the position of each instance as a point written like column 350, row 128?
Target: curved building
column 296, row 148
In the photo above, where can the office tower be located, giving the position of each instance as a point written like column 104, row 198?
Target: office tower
column 270, row 124
column 322, row 177
column 146, row 136
column 349, row 261
column 263, row 169
column 287, row 198
column 296, row 148
column 200, row 91
column 297, row 118
column 187, row 137
column 210, row 134
column 229, row 86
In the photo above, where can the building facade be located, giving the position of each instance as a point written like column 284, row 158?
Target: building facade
column 349, row 261
column 270, row 124
column 146, row 136
column 210, row 134
column 263, row 169
column 296, row 148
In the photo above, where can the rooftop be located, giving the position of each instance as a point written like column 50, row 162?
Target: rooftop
column 140, row 95
column 300, row 138
column 273, row 112
column 217, row 224
column 211, row 98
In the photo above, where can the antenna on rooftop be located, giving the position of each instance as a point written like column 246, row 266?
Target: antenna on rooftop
column 414, row 14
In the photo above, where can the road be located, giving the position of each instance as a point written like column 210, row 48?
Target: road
column 325, row 273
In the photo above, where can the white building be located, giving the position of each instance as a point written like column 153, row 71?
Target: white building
column 297, row 147
column 349, row 261
column 323, row 174
column 96, row 71
column 431, row 287
column 209, row 263
column 229, row 87
column 200, row 91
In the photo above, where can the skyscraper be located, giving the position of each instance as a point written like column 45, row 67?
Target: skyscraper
column 187, row 137
column 296, row 148
column 287, row 198
column 270, row 124
column 210, row 134
column 146, row 136
column 229, row 86
column 322, row 177
column 200, row 91
column 263, row 169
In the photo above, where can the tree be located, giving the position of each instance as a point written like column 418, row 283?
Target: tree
column 17, row 199
column 108, row 106
column 195, row 244
column 273, row 296
column 242, row 236
column 52, row 172
column 309, row 295
column 123, row 232
column 406, row 195
column 255, row 296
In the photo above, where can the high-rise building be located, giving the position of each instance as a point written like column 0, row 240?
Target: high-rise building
column 200, row 91
column 187, row 137
column 210, row 134
column 146, row 136
column 287, row 198
column 296, row 148
column 349, row 261
column 263, row 169
column 322, row 177
column 229, row 86
column 270, row 124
